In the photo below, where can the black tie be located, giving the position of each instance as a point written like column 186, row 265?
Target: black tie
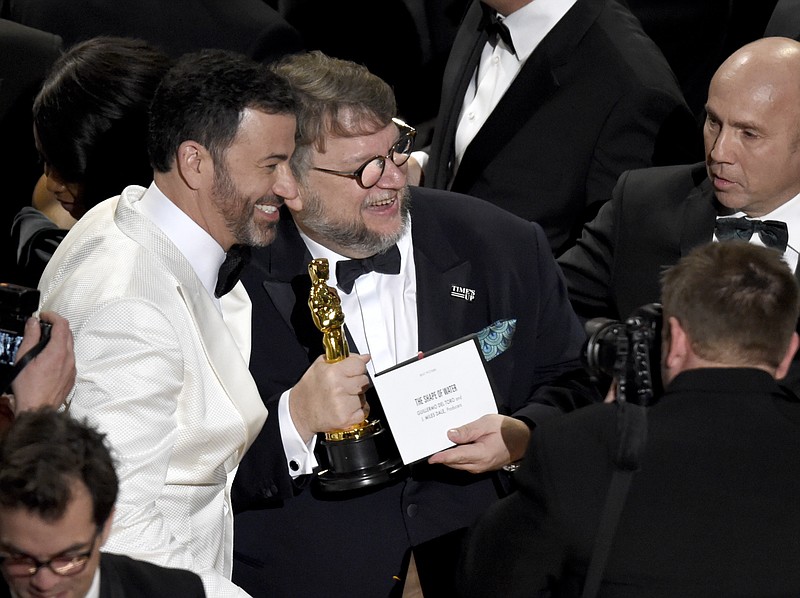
column 235, row 260
column 773, row 233
column 347, row 271
column 495, row 27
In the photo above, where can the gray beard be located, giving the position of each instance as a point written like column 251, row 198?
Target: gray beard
column 356, row 237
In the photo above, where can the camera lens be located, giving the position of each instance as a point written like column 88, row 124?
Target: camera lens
column 600, row 349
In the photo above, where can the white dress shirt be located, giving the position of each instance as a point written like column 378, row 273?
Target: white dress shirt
column 789, row 213
column 381, row 316
column 528, row 27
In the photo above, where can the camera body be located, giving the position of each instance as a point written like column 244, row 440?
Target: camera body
column 17, row 304
column 629, row 351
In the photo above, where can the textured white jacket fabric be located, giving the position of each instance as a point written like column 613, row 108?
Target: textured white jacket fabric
column 162, row 375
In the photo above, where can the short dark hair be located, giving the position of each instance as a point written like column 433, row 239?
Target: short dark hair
column 738, row 303
column 91, row 114
column 202, row 98
column 43, row 454
column 336, row 96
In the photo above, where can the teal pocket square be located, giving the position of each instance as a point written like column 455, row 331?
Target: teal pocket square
column 496, row 338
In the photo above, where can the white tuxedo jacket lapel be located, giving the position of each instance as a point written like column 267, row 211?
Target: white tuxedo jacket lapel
column 220, row 343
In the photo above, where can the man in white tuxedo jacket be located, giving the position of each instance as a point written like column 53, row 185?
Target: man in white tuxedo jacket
column 161, row 349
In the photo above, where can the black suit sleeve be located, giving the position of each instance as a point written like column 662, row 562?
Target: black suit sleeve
column 588, row 265
column 562, row 384
column 124, row 577
column 648, row 126
column 514, row 549
column 263, row 475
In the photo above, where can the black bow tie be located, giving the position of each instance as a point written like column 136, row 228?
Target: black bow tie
column 773, row 233
column 235, row 260
column 347, row 271
column 495, row 27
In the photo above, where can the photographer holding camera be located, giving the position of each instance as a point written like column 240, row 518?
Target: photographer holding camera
column 37, row 362
column 711, row 509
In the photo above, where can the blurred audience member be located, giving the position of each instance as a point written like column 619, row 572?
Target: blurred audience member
column 711, row 509
column 543, row 118
column 57, row 492
column 90, row 126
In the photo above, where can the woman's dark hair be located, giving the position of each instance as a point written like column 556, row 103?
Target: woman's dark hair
column 91, row 114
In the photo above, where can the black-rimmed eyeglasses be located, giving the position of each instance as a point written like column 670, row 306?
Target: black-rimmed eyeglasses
column 24, row 565
column 370, row 172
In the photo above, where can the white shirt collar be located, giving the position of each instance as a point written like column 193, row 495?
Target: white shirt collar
column 530, row 24
column 94, row 589
column 201, row 250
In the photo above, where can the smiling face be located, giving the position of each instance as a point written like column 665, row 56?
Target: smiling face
column 752, row 131
column 341, row 215
column 253, row 179
column 23, row 532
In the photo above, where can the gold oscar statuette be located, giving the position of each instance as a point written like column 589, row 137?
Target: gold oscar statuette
column 364, row 454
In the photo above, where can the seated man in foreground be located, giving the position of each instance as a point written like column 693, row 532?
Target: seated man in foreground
column 711, row 510
column 57, row 492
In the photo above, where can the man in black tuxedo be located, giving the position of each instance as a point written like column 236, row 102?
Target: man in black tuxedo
column 26, row 55
column 711, row 509
column 57, row 493
column 593, row 97
column 657, row 215
column 250, row 27
column 463, row 266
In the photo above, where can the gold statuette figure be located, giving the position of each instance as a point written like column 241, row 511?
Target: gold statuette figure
column 326, row 309
column 363, row 454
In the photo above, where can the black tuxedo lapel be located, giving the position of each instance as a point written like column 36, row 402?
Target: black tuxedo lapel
column 535, row 84
column 699, row 213
column 439, row 266
column 111, row 586
column 532, row 88
column 283, row 270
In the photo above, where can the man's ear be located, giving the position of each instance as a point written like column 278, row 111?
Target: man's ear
column 106, row 528
column 194, row 164
column 783, row 366
column 679, row 348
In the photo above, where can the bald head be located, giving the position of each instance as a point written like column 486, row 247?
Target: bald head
column 752, row 132
column 770, row 62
